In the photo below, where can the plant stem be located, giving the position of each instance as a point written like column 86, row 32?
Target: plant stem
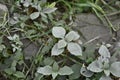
column 71, row 59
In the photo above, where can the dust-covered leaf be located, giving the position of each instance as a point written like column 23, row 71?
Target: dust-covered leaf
column 54, row 75
column 105, row 78
column 103, row 51
column 107, row 72
column 115, row 69
column 3, row 7
column 56, row 51
column 62, row 44
column 74, row 49
column 47, row 70
column 72, row 35
column 34, row 15
column 26, row 3
column 58, row 32
column 85, row 72
column 95, row 66
column 49, row 10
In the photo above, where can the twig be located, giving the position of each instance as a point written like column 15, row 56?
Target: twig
column 114, row 13
column 107, row 5
column 70, row 58
column 92, row 40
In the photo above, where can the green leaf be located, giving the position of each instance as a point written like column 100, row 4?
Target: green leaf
column 115, row 69
column 47, row 70
column 55, row 67
column 48, row 61
column 49, row 10
column 62, row 44
column 52, row 5
column 74, row 49
column 72, row 35
column 58, row 32
column 95, row 66
column 30, row 32
column 76, row 71
column 103, row 51
column 9, row 71
column 49, row 44
column 38, row 76
column 34, row 15
column 14, row 63
column 65, row 71
column 55, row 51
column 19, row 74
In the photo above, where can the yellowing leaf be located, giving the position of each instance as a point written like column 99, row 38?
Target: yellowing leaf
column 52, row 5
